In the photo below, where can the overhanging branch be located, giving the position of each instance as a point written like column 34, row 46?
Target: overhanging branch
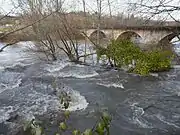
column 22, row 28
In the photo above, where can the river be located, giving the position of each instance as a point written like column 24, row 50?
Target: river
column 138, row 105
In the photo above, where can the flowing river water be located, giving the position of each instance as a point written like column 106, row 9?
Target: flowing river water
column 138, row 105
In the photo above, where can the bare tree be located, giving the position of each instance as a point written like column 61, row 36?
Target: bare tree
column 85, row 26
column 99, row 15
column 58, row 32
column 110, row 13
column 154, row 8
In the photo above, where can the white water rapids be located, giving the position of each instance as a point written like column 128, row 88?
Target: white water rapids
column 139, row 105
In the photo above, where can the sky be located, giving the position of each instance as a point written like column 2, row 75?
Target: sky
column 6, row 5
column 117, row 5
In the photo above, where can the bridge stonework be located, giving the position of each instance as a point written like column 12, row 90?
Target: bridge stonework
column 146, row 36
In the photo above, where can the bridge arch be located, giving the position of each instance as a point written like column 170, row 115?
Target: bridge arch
column 165, row 42
column 130, row 35
column 80, row 36
column 94, row 35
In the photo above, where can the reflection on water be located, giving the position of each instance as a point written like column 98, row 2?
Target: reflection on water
column 139, row 105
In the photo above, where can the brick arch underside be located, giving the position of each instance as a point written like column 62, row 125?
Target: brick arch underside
column 94, row 35
column 128, row 35
column 165, row 42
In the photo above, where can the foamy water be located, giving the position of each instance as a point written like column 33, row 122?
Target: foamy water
column 138, row 112
column 2, row 68
column 31, row 101
column 5, row 112
column 176, row 66
column 110, row 84
column 56, row 66
column 37, row 104
column 74, row 71
column 168, row 122
column 40, row 104
column 66, row 69
column 17, row 54
column 78, row 102
column 35, row 96
column 9, row 81
column 154, row 74
column 79, row 75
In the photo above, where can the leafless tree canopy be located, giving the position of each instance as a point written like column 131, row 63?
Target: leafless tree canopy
column 157, row 9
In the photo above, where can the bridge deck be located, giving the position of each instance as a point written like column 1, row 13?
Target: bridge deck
column 166, row 28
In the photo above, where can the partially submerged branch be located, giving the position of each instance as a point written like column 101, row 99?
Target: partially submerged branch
column 86, row 55
column 9, row 44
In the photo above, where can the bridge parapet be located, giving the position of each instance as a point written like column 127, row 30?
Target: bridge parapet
column 150, row 28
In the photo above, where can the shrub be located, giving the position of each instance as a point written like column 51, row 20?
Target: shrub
column 100, row 128
column 154, row 61
column 123, row 53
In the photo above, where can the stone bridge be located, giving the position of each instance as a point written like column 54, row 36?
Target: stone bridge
column 141, row 35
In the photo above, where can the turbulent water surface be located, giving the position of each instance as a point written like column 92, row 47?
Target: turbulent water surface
column 138, row 105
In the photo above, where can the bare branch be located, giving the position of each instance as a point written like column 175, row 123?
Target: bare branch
column 31, row 24
column 1, row 49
